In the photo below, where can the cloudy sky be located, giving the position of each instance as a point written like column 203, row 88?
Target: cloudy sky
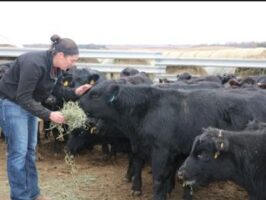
column 133, row 22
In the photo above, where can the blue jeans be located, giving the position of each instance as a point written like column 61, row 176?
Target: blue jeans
column 20, row 128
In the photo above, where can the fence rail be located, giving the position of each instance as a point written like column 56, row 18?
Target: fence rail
column 116, row 68
column 7, row 52
column 210, row 62
column 159, row 62
column 84, row 53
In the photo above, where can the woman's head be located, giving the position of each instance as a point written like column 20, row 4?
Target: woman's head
column 65, row 52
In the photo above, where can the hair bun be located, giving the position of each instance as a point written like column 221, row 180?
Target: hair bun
column 55, row 38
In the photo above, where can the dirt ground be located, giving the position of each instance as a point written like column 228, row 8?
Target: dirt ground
column 99, row 179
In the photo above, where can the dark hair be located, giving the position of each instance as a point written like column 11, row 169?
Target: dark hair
column 65, row 45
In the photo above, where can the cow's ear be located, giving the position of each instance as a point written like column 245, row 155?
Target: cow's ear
column 93, row 79
column 221, row 143
column 113, row 89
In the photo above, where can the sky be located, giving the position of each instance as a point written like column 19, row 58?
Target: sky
column 137, row 23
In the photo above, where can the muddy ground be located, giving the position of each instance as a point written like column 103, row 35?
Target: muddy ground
column 99, row 179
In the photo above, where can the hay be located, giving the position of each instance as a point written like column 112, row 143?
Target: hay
column 74, row 118
column 250, row 71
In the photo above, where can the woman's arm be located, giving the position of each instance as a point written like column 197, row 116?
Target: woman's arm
column 28, row 79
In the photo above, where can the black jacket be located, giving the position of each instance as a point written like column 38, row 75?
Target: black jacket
column 29, row 82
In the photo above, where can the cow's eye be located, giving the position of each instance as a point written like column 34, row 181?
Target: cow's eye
column 94, row 95
column 199, row 156
column 202, row 156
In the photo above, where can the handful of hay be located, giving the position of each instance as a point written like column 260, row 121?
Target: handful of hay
column 74, row 118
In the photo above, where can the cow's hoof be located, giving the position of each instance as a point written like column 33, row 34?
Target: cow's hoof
column 127, row 179
column 105, row 158
column 136, row 193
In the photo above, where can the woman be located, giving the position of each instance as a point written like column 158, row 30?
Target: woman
column 22, row 89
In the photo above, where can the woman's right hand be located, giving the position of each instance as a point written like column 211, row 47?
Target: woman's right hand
column 57, row 117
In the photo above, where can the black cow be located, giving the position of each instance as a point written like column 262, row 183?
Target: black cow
column 195, row 86
column 105, row 135
column 98, row 132
column 128, row 71
column 133, row 76
column 221, row 155
column 184, row 76
column 212, row 78
column 67, row 81
column 81, row 139
column 188, row 78
column 261, row 81
column 256, row 81
column 162, row 123
column 81, row 76
column 136, row 79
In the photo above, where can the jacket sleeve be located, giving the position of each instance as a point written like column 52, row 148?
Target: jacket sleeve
column 28, row 79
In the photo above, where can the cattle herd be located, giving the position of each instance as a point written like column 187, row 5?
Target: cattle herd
column 196, row 130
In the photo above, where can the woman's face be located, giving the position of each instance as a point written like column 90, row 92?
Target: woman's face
column 64, row 62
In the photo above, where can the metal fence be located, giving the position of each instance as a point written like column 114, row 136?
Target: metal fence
column 6, row 52
column 159, row 62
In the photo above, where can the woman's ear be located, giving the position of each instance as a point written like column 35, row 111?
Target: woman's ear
column 60, row 54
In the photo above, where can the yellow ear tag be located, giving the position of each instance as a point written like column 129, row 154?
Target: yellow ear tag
column 92, row 82
column 65, row 83
column 93, row 130
column 220, row 133
column 216, row 155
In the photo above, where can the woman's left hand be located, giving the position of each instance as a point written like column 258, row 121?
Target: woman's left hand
column 82, row 89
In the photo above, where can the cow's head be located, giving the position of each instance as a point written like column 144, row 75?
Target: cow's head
column 209, row 159
column 82, row 76
column 129, row 71
column 99, row 101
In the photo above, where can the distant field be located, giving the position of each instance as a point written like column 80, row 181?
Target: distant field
column 207, row 52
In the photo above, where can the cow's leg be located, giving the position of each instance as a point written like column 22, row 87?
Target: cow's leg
column 47, row 131
column 105, row 148
column 177, row 162
column 187, row 193
column 57, row 142
column 130, row 168
column 138, row 164
column 161, row 172
column 172, row 178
